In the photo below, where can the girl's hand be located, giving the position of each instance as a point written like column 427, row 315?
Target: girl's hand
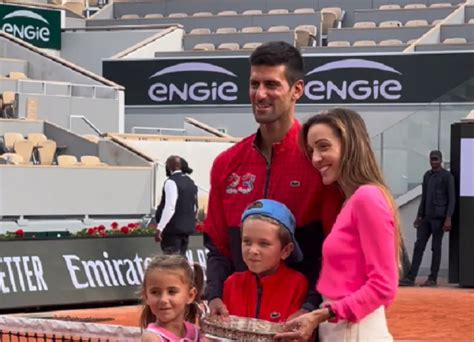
column 302, row 327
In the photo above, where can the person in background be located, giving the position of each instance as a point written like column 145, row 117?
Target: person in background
column 433, row 219
column 268, row 164
column 176, row 213
column 171, row 294
column 359, row 275
column 269, row 290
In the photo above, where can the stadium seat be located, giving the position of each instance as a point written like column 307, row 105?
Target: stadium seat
column 67, row 160
column 75, row 6
column 416, row 23
column 204, row 47
column 200, row 31
column 130, row 16
column 202, row 14
column 441, row 5
column 251, row 46
column 364, row 43
column 390, row 23
column 177, row 15
column 227, row 13
column 330, row 17
column 305, row 35
column 8, row 98
column 304, row 10
column 414, row 6
column 389, row 7
column 339, row 43
column 12, row 158
column 226, row 30
column 36, row 138
column 47, row 152
column 10, row 138
column 279, row 28
column 252, row 29
column 390, row 42
column 229, row 46
column 91, row 161
column 471, row 21
column 252, row 12
column 16, row 75
column 153, row 16
column 25, row 149
column 278, row 11
column 365, row 24
column 456, row 40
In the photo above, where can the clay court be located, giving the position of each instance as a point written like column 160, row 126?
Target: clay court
column 418, row 314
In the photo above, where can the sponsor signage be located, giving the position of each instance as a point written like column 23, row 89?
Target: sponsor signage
column 391, row 78
column 36, row 273
column 40, row 27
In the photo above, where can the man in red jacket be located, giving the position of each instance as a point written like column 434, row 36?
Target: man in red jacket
column 268, row 164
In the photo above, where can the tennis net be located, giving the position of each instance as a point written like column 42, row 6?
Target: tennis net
column 20, row 329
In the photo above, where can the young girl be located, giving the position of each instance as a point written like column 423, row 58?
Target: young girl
column 171, row 292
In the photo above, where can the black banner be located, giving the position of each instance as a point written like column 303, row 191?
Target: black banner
column 391, row 78
column 36, row 273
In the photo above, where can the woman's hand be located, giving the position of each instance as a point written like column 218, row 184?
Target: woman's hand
column 302, row 327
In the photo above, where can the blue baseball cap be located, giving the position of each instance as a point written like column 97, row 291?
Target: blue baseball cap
column 280, row 213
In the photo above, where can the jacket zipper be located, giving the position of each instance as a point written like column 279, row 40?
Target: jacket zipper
column 268, row 171
column 259, row 298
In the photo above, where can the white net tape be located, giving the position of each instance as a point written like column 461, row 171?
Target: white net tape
column 84, row 330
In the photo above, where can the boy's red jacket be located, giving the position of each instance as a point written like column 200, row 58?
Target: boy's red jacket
column 272, row 298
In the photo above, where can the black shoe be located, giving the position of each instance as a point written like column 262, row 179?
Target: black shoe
column 429, row 283
column 406, row 282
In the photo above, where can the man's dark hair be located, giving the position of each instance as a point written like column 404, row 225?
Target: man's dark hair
column 280, row 53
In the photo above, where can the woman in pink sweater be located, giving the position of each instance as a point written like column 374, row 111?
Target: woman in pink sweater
column 359, row 274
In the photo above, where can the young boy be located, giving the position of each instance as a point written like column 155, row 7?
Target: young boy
column 269, row 290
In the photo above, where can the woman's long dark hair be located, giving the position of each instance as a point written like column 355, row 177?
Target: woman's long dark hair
column 358, row 163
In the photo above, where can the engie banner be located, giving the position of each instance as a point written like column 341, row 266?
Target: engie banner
column 36, row 273
column 40, row 27
column 388, row 78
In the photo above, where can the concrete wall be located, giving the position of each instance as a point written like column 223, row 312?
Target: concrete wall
column 239, row 121
column 59, row 191
column 43, row 66
column 106, row 43
column 377, row 3
column 168, row 40
column 214, row 22
column 458, row 31
column 190, row 40
column 8, row 65
column 403, row 15
column 376, row 34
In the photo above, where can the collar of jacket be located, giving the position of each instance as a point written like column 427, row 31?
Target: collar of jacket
column 290, row 138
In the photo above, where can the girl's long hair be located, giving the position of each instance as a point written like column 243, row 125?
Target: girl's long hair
column 193, row 277
column 358, row 164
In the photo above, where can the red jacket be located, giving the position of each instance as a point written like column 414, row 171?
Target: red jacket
column 241, row 175
column 275, row 297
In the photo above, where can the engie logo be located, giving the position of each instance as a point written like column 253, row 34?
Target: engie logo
column 353, row 80
column 193, row 82
column 26, row 25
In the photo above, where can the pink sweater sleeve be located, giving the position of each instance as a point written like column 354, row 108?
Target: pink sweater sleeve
column 373, row 219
